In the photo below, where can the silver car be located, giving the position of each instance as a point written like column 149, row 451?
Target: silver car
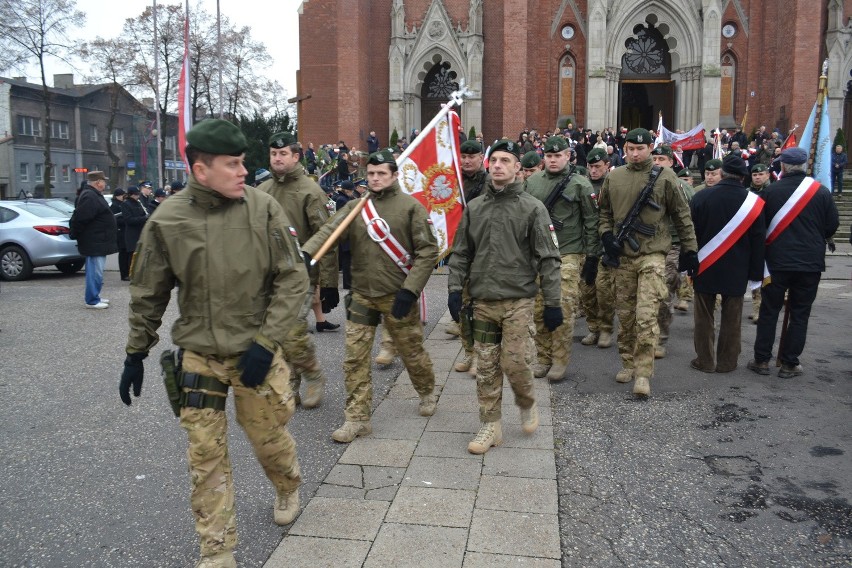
column 32, row 235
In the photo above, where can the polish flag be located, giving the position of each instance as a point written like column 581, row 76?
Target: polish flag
column 184, row 106
column 431, row 174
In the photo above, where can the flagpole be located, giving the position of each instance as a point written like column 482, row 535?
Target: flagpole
column 219, row 58
column 157, row 101
column 456, row 98
column 821, row 91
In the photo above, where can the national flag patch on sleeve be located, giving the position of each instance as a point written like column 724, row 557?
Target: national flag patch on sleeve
column 553, row 236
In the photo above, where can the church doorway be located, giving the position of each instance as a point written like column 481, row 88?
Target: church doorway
column 642, row 102
column 439, row 83
column 646, row 87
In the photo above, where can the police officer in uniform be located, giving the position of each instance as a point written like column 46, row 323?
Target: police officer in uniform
column 242, row 283
column 598, row 299
column 304, row 203
column 760, row 180
column 504, row 246
column 640, row 278
column 381, row 291
column 576, row 210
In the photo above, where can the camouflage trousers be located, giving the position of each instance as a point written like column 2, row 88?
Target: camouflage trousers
column 512, row 356
column 640, row 286
column 755, row 303
column 554, row 347
column 301, row 351
column 685, row 292
column 263, row 413
column 598, row 300
column 407, row 337
column 386, row 341
column 664, row 314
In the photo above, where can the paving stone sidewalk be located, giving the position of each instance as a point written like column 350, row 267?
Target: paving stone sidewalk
column 411, row 495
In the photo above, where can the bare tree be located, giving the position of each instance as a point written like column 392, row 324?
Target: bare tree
column 36, row 29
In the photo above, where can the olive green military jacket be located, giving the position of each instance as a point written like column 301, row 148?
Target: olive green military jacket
column 374, row 274
column 237, row 266
column 305, row 204
column 471, row 183
column 688, row 193
column 576, row 209
column 758, row 190
column 504, row 241
column 620, row 190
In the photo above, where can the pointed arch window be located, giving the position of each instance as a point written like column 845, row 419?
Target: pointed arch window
column 727, row 91
column 567, row 83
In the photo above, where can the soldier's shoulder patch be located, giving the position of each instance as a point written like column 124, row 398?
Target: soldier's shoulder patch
column 432, row 227
column 553, row 238
column 293, row 232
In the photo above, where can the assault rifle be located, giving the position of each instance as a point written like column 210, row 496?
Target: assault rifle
column 632, row 224
column 555, row 194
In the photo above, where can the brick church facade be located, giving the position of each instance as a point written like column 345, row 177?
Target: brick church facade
column 388, row 64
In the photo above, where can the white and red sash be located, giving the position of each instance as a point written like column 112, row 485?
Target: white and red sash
column 379, row 230
column 789, row 211
column 716, row 247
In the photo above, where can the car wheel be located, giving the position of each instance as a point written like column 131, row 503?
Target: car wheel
column 71, row 267
column 15, row 264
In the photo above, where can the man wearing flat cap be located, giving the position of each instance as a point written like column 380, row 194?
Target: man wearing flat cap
column 505, row 248
column 304, row 203
column 394, row 247
column 730, row 231
column 640, row 276
column 574, row 215
column 800, row 216
column 242, row 282
column 94, row 227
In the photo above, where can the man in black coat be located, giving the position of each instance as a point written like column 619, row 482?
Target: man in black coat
column 93, row 226
column 795, row 256
column 118, row 197
column 135, row 215
column 727, row 209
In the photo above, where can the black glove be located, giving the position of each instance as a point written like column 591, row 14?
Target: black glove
column 402, row 303
column 552, row 317
column 329, row 297
column 831, row 246
column 688, row 262
column 307, row 258
column 590, row 270
column 611, row 245
column 454, row 302
column 132, row 375
column 255, row 365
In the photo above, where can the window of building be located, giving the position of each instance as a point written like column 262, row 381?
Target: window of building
column 53, row 174
column 29, row 126
column 66, row 173
column 566, row 86
column 171, row 143
column 39, row 173
column 59, row 129
column 728, row 86
column 117, row 136
column 93, row 133
column 25, row 171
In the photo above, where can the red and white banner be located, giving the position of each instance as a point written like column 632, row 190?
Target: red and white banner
column 695, row 139
column 184, row 106
column 431, row 174
column 716, row 247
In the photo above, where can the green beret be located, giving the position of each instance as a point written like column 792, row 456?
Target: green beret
column 281, row 140
column 713, row 165
column 471, row 147
column 597, row 155
column 759, row 168
column 216, row 136
column 506, row 145
column 530, row 160
column 663, row 150
column 640, row 136
column 381, row 157
column 684, row 173
column 555, row 144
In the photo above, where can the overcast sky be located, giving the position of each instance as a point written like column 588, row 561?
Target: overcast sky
column 276, row 24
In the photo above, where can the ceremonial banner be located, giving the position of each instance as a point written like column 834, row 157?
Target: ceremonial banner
column 184, row 106
column 822, row 152
column 432, row 175
column 695, row 139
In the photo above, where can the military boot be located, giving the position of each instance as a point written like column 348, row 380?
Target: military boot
column 428, row 402
column 314, row 389
column 642, row 386
column 286, row 507
column 351, row 430
column 605, row 340
column 590, row 339
column 453, row 329
column 219, row 560
column 529, row 419
column 624, row 376
column 385, row 356
column 556, row 372
column 472, row 370
column 540, row 369
column 465, row 364
column 659, row 351
column 682, row 306
column 490, row 434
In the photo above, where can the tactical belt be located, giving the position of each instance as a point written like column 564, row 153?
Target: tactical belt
column 196, row 397
column 358, row 313
column 487, row 332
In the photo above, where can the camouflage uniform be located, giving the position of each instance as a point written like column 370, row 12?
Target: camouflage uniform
column 673, row 276
column 555, row 347
column 306, row 206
